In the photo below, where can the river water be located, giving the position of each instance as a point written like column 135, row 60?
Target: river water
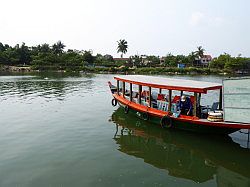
column 61, row 130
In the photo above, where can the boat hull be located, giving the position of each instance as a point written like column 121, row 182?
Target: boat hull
column 178, row 124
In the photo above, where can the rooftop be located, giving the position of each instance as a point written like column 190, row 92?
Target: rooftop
column 169, row 83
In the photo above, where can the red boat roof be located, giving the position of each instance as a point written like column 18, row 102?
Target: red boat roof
column 169, row 83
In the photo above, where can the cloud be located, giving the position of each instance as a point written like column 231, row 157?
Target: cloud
column 196, row 18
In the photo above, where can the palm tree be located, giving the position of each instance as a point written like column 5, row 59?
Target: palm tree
column 200, row 52
column 44, row 48
column 192, row 57
column 122, row 47
column 58, row 47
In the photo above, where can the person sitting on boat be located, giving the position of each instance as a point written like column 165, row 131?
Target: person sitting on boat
column 185, row 106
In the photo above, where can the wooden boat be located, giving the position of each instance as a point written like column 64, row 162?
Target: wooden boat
column 138, row 99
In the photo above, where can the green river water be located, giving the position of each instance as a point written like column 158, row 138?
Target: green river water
column 61, row 130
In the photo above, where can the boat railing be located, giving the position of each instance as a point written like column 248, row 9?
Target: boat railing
column 157, row 104
column 155, row 100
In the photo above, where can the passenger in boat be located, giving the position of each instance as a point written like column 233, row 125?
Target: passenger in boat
column 185, row 106
column 161, row 97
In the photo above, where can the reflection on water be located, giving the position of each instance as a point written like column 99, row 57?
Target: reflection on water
column 30, row 87
column 54, row 131
column 48, row 130
column 184, row 155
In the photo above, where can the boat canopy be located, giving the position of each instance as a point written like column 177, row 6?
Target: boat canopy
column 169, row 83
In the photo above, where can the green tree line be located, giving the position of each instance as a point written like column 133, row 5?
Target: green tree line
column 46, row 57
column 227, row 62
column 55, row 57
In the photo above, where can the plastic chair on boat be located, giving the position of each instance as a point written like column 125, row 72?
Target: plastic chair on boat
column 205, row 110
column 214, row 106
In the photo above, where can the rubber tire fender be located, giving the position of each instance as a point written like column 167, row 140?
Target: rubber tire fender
column 166, row 121
column 114, row 102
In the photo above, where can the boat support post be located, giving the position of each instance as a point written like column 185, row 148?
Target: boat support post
column 131, row 91
column 181, row 93
column 140, row 89
column 118, row 85
column 169, row 100
column 220, row 100
column 150, row 103
column 123, row 89
column 195, row 104
column 248, row 138
column 199, row 99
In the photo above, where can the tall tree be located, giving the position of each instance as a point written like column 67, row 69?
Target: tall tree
column 44, row 48
column 58, row 47
column 221, row 61
column 24, row 54
column 2, row 48
column 170, row 60
column 122, row 47
column 192, row 57
column 200, row 52
column 88, row 57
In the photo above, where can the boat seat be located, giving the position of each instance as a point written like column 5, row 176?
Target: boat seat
column 127, row 97
column 215, row 106
column 154, row 104
column 162, row 105
column 134, row 94
column 206, row 109
column 144, row 103
column 135, row 100
column 127, row 92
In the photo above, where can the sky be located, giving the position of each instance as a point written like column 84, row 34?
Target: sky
column 151, row 27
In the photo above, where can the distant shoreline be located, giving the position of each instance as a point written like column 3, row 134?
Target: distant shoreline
column 125, row 70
